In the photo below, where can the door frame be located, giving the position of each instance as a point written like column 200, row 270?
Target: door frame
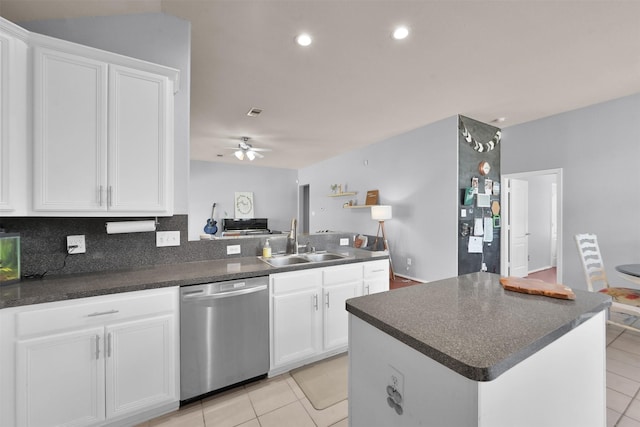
column 505, row 218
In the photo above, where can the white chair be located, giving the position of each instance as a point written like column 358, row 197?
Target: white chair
column 625, row 300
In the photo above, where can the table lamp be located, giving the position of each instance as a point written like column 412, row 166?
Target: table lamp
column 382, row 213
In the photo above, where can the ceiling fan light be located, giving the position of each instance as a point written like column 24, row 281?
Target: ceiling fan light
column 239, row 154
column 304, row 39
column 400, row 33
column 251, row 155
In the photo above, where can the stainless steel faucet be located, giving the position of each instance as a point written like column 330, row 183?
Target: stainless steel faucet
column 292, row 239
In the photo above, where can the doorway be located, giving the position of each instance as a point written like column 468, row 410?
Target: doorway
column 532, row 224
column 303, row 208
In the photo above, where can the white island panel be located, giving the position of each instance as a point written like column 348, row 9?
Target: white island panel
column 563, row 384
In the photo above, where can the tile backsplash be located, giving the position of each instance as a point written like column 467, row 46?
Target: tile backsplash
column 43, row 244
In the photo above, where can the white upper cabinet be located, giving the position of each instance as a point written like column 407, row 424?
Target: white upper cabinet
column 140, row 163
column 70, row 132
column 13, row 119
column 103, row 137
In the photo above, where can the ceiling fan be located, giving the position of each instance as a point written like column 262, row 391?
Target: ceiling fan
column 247, row 150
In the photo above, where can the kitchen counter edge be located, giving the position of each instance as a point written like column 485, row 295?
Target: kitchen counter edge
column 67, row 287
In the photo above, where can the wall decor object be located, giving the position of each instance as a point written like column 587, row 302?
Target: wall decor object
column 243, row 204
column 372, row 198
column 481, row 147
column 484, row 167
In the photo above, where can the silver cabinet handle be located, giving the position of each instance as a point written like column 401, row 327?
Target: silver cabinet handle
column 102, row 313
column 367, row 288
column 315, row 302
column 109, row 344
column 327, row 300
column 378, row 271
column 97, row 347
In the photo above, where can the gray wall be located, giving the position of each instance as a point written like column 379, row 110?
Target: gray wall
column 275, row 193
column 416, row 173
column 158, row 38
column 540, row 221
column 598, row 148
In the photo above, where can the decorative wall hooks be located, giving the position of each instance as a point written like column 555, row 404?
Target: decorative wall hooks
column 480, row 147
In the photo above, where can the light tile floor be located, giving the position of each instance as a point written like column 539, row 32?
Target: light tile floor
column 279, row 402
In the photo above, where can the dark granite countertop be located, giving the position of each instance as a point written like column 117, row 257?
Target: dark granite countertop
column 473, row 326
column 65, row 287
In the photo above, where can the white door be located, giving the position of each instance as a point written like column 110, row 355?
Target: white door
column 140, row 364
column 518, row 228
column 554, row 224
column 70, row 132
column 336, row 319
column 140, row 141
column 296, row 325
column 60, row 379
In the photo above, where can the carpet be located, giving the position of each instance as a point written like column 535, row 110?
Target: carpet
column 325, row 382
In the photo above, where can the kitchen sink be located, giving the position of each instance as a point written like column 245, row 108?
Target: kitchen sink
column 283, row 261
column 286, row 260
column 318, row 257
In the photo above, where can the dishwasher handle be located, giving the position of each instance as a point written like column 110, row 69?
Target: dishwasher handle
column 201, row 296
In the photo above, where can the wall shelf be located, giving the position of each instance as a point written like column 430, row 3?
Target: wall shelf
column 342, row 194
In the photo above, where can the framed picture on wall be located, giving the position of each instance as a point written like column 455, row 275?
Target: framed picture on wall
column 243, row 204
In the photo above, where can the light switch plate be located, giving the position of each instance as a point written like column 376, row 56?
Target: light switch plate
column 344, row 242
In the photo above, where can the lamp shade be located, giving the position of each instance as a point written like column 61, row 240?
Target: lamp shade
column 381, row 212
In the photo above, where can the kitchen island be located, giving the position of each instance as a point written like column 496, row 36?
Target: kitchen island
column 465, row 352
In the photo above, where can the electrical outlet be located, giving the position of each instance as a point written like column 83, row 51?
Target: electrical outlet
column 76, row 244
column 408, row 261
column 344, row 242
column 233, row 249
column 167, row 238
column 396, row 380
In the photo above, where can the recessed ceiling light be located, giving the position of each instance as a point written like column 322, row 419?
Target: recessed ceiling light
column 499, row 120
column 400, row 33
column 304, row 39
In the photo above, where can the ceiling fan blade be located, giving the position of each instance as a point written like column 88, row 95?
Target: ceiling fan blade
column 260, row 149
column 257, row 154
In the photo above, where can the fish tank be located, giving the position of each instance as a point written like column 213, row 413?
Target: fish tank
column 9, row 258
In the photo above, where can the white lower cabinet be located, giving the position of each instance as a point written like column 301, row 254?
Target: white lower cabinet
column 376, row 277
column 60, row 380
column 296, row 320
column 95, row 361
column 309, row 320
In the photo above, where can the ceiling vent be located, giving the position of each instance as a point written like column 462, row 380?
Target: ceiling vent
column 254, row 112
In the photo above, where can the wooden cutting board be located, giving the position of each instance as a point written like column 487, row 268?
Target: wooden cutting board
column 537, row 287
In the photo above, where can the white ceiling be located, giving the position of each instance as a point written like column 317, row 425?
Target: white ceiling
column 354, row 85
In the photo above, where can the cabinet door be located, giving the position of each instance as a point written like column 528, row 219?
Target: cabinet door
column 296, row 326
column 60, row 379
column 13, row 124
column 4, row 121
column 141, row 364
column 140, row 141
column 336, row 319
column 70, row 132
column 373, row 286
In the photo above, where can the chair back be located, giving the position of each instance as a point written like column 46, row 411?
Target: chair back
column 591, row 261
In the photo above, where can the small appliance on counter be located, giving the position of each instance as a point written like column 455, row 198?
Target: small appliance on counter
column 9, row 258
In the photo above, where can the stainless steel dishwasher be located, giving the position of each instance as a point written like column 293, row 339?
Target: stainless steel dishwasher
column 224, row 335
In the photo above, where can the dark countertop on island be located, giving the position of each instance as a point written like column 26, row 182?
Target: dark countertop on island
column 473, row 326
column 65, row 287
